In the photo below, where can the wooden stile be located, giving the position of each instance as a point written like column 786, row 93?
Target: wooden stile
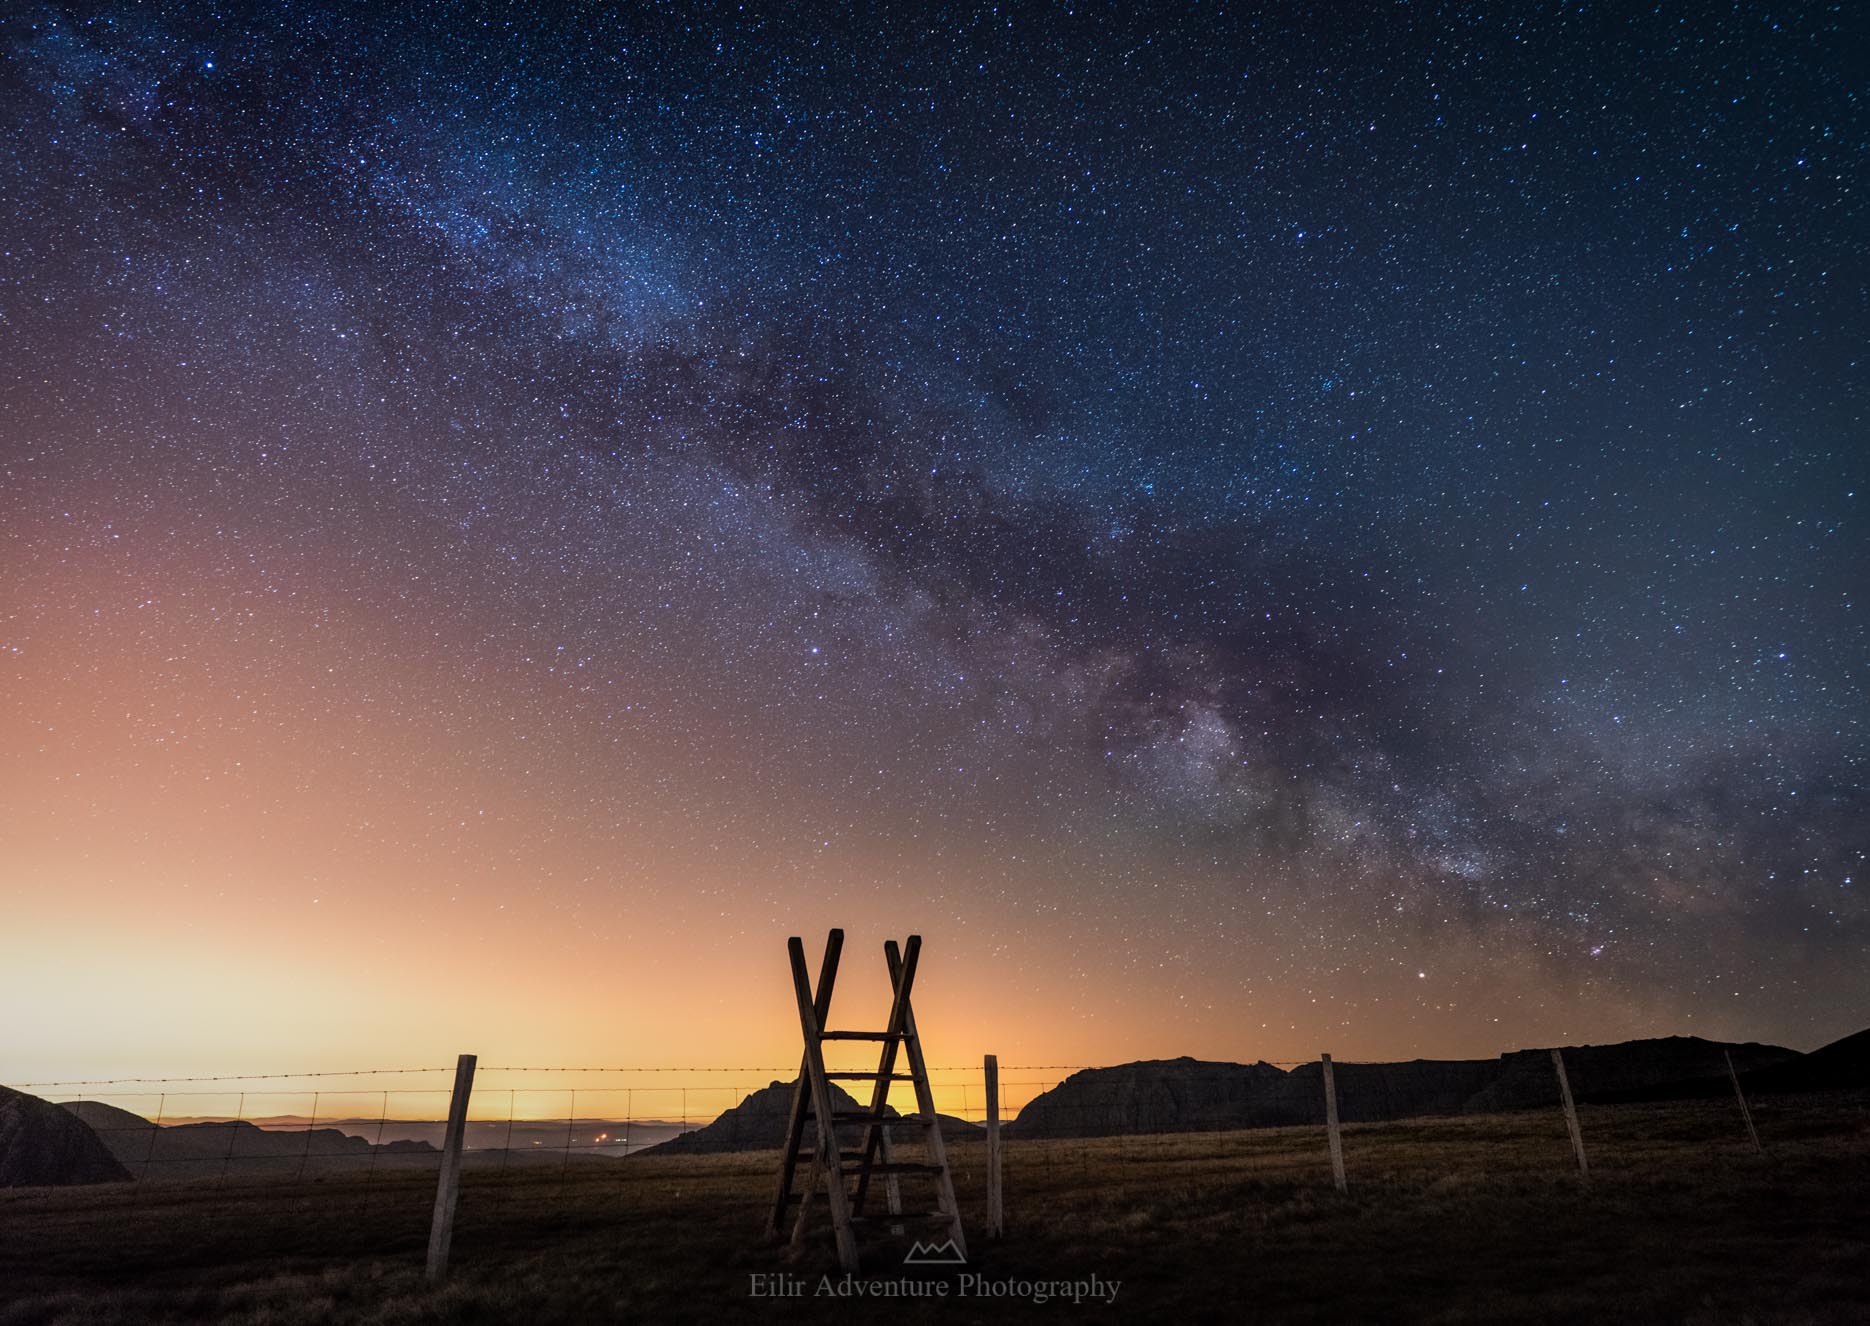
column 830, row 1162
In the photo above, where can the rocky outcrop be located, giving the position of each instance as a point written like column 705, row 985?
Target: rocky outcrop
column 1162, row 1095
column 758, row 1123
column 42, row 1145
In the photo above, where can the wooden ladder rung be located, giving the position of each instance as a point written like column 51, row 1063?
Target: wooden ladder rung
column 806, row 1157
column 859, row 1035
column 869, row 1077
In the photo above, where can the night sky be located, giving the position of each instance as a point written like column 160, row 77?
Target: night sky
column 1308, row 527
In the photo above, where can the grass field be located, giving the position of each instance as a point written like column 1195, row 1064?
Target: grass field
column 1450, row 1220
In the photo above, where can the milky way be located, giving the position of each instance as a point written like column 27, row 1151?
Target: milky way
column 1280, row 520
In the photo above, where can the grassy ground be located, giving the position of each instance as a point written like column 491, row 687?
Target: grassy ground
column 1451, row 1220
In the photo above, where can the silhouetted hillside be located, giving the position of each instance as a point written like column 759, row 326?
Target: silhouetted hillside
column 1188, row 1095
column 1841, row 1065
column 1163, row 1095
column 42, row 1145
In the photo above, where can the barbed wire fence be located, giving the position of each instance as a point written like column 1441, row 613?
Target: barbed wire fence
column 378, row 1140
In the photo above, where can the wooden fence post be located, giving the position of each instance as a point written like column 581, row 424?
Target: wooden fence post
column 448, row 1186
column 1331, row 1123
column 1741, row 1096
column 1571, row 1112
column 996, row 1213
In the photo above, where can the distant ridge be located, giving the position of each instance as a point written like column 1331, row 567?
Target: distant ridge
column 1191, row 1095
column 192, row 1149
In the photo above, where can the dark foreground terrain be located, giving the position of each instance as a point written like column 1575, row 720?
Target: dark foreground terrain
column 1479, row 1219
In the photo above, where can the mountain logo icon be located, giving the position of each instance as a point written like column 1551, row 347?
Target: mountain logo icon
column 934, row 1254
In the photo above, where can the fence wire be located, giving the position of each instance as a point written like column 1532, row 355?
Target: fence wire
column 536, row 1135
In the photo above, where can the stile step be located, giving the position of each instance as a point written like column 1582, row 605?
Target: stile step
column 869, row 1077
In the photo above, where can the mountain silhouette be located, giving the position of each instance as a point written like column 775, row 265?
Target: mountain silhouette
column 42, row 1145
column 758, row 1123
column 1191, row 1095
column 1841, row 1065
